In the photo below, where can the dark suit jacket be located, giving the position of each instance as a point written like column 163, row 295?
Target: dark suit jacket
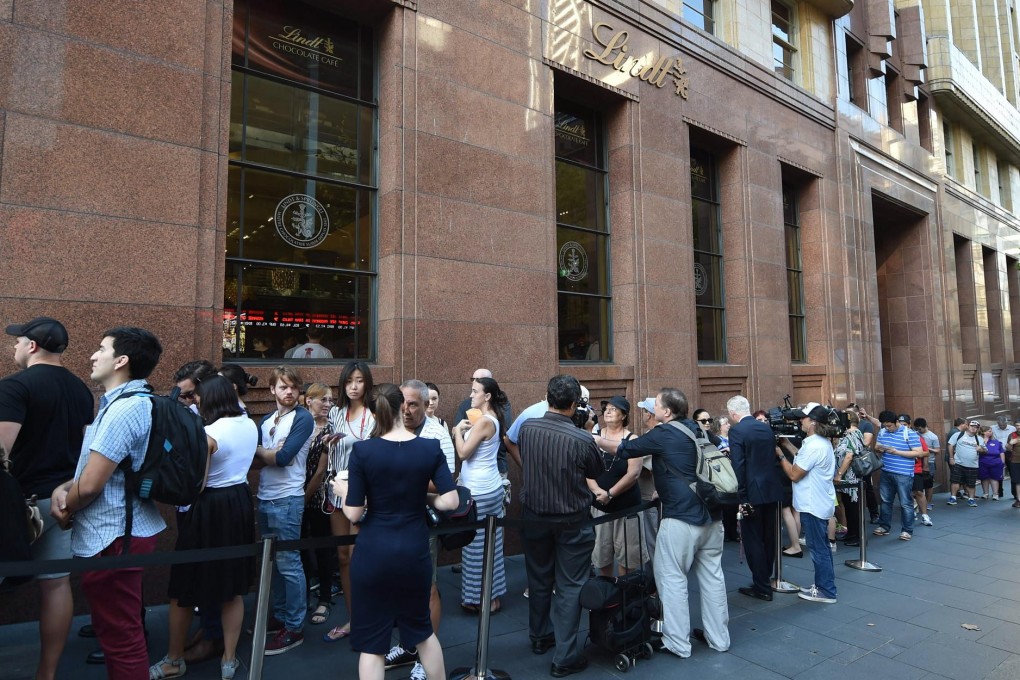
column 753, row 454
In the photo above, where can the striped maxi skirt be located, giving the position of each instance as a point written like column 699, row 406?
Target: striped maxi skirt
column 472, row 554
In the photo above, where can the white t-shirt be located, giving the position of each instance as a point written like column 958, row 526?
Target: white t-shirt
column 236, row 440
column 814, row 493
column 1003, row 435
column 310, row 350
column 965, row 449
column 479, row 472
column 287, row 481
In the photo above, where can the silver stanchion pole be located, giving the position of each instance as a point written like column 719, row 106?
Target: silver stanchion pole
column 258, row 641
column 481, row 670
column 782, row 586
column 862, row 564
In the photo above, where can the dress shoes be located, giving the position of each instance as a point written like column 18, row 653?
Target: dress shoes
column 96, row 658
column 87, row 631
column 852, row 543
column 558, row 671
column 755, row 593
column 203, row 650
column 542, row 645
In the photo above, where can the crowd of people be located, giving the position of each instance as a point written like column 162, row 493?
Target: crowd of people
column 367, row 462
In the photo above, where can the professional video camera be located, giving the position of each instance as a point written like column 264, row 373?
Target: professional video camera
column 783, row 428
column 583, row 413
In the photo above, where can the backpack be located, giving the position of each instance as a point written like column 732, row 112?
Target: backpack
column 176, row 459
column 716, row 483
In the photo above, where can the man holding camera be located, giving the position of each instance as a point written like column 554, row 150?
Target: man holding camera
column 752, row 450
column 690, row 537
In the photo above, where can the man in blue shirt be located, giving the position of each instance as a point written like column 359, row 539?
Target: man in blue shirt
column 899, row 446
column 93, row 503
column 690, row 537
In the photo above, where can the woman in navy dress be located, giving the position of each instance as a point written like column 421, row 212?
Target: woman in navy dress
column 391, row 571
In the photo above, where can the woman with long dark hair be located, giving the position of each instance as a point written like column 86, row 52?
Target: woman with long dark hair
column 391, row 571
column 351, row 421
column 477, row 444
column 241, row 380
column 222, row 516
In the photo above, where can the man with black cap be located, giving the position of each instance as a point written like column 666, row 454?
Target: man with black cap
column 44, row 409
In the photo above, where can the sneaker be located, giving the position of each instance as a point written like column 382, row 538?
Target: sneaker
column 814, row 595
column 930, row 506
column 986, row 496
column 926, row 520
column 832, row 547
column 808, row 589
column 841, row 531
column 398, row 656
column 995, row 498
column 802, row 540
column 418, row 672
column 971, row 502
column 284, row 641
column 951, row 501
column 229, row 668
column 905, row 536
column 880, row 531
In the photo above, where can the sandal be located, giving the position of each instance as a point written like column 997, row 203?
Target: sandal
column 336, row 634
column 156, row 671
column 320, row 615
column 470, row 608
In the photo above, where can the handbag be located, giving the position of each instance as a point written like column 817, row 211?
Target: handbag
column 864, row 462
column 465, row 513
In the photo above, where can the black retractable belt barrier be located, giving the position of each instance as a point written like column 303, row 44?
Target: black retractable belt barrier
column 862, row 562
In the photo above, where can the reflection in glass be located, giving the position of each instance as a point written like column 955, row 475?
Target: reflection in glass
column 266, row 310
column 794, row 275
column 581, row 262
column 583, row 328
column 700, row 13
column 708, row 270
column 576, row 135
column 710, row 334
column 580, row 197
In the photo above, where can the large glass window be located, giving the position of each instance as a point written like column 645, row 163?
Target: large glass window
column 794, row 275
column 701, row 13
column 301, row 196
column 708, row 267
column 783, row 48
column 582, row 234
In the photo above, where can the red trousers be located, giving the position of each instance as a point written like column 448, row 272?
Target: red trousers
column 115, row 598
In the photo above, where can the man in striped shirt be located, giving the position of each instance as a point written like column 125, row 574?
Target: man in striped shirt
column 899, row 446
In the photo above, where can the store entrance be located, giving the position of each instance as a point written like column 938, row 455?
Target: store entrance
column 903, row 265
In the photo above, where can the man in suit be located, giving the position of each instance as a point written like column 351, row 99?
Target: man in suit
column 752, row 451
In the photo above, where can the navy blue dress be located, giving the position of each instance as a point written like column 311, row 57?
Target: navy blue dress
column 391, row 568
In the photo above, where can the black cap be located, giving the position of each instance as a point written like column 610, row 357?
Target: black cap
column 904, row 418
column 48, row 333
column 618, row 402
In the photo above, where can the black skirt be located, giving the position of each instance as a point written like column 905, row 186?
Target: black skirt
column 220, row 517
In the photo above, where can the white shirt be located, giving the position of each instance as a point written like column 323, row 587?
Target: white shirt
column 479, row 472
column 310, row 350
column 283, row 482
column 814, row 493
column 236, row 440
column 1003, row 435
column 433, row 429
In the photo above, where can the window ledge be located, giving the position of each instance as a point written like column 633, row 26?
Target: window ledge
column 833, row 8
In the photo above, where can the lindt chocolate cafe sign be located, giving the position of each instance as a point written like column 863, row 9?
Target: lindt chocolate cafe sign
column 653, row 69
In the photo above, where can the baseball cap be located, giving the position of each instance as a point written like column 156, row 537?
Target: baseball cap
column 618, row 402
column 904, row 418
column 48, row 333
column 975, row 423
column 585, row 394
column 812, row 410
column 648, row 404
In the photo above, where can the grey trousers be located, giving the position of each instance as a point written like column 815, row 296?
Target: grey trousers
column 681, row 548
column 562, row 560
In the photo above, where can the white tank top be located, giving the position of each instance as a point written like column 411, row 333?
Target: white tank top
column 479, row 473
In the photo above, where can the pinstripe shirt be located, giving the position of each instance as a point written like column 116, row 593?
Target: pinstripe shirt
column 557, row 459
column 121, row 429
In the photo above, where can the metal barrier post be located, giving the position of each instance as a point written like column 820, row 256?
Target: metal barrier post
column 782, row 586
column 862, row 564
column 481, row 670
column 258, row 641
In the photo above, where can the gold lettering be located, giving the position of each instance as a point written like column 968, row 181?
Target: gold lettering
column 655, row 70
column 617, row 42
column 656, row 73
column 293, row 35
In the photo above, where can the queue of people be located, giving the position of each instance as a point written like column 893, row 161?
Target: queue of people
column 366, row 463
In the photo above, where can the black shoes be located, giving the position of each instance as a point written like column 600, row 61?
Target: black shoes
column 852, row 543
column 755, row 593
column 542, row 645
column 563, row 671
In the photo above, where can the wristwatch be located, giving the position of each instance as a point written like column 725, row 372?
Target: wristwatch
column 609, row 495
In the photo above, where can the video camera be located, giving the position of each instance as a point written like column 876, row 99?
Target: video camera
column 783, row 428
column 583, row 413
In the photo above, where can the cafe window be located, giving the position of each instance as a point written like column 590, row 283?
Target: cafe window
column 301, row 201
column 701, row 13
column 783, row 49
column 708, row 266
column 794, row 276
column 582, row 234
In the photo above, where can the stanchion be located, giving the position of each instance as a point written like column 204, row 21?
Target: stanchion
column 258, row 641
column 862, row 564
column 481, row 670
column 782, row 586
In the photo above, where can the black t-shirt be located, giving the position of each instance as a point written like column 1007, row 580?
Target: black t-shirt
column 53, row 406
column 615, row 469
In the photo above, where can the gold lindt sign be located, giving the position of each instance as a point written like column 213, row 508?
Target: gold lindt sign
column 651, row 69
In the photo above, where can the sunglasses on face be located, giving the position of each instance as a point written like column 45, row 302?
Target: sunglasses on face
column 704, row 421
column 186, row 396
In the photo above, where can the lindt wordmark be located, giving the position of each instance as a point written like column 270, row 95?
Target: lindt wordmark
column 318, row 49
column 649, row 69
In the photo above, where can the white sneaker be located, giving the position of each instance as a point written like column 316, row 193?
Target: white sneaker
column 802, row 540
column 926, row 520
column 832, row 547
column 418, row 672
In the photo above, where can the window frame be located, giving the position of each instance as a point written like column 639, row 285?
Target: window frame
column 707, row 21
column 715, row 203
column 788, row 47
column 797, row 321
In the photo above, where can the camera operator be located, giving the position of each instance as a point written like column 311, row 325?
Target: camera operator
column 752, row 447
column 813, row 494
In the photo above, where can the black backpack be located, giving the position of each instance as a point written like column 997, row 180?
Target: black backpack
column 176, row 459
